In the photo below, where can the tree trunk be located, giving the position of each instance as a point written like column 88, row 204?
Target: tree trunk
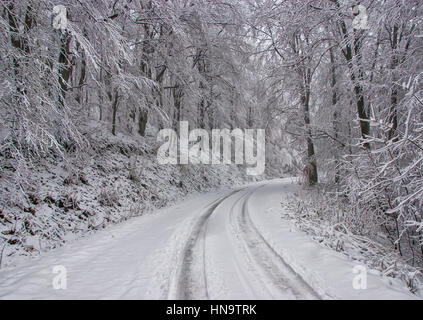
column 393, row 114
column 82, row 76
column 114, row 109
column 65, row 66
column 177, row 99
column 350, row 53
column 311, row 158
column 335, row 111
column 142, row 122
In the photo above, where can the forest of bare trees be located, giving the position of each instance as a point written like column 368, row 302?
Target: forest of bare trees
column 343, row 103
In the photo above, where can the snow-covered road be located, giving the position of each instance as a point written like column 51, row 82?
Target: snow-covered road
column 230, row 244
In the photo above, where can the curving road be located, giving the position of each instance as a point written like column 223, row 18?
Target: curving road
column 224, row 237
column 230, row 244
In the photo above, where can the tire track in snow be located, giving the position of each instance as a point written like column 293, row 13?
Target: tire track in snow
column 280, row 280
column 260, row 267
column 189, row 281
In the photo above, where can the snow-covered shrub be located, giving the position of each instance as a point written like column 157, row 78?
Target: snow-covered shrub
column 385, row 184
column 330, row 221
column 108, row 197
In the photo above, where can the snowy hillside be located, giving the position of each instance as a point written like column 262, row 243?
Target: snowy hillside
column 117, row 180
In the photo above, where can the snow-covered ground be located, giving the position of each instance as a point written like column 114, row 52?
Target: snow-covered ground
column 230, row 244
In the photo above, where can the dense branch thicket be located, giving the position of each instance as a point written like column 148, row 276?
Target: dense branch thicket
column 353, row 98
column 344, row 103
